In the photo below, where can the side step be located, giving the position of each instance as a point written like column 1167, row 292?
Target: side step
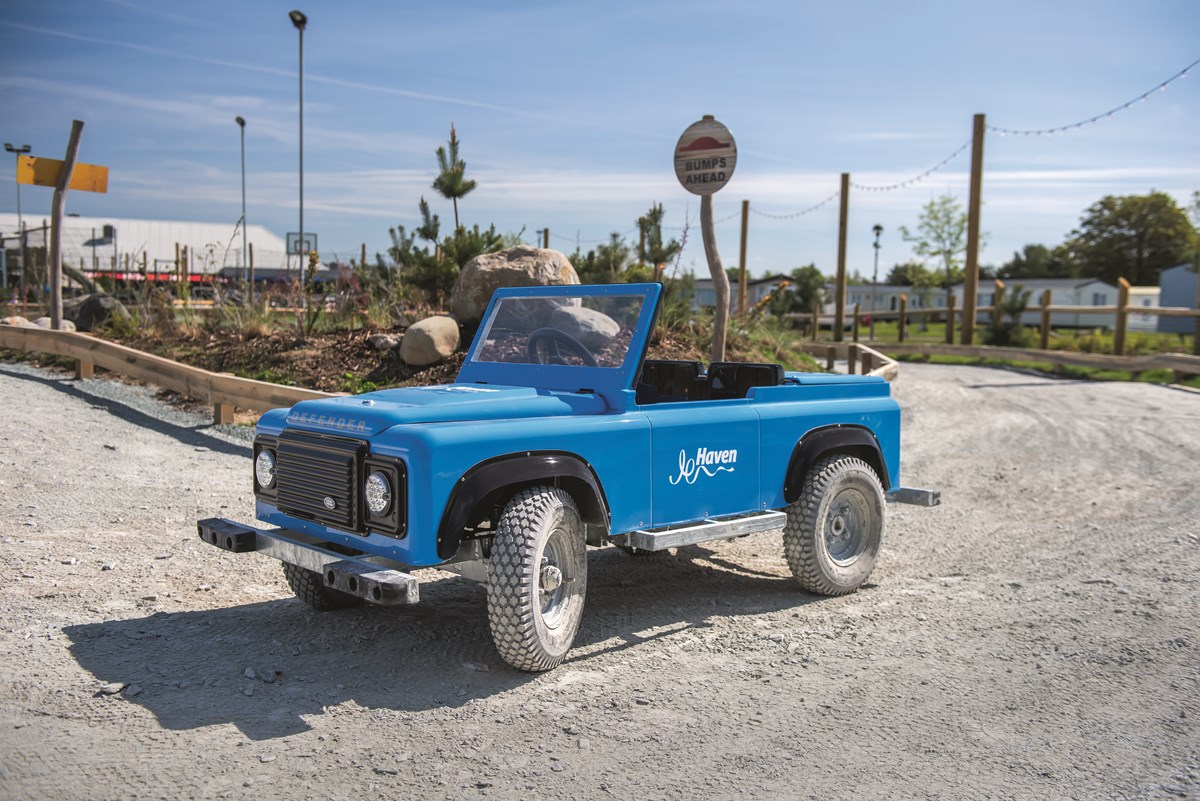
column 717, row 529
column 357, row 576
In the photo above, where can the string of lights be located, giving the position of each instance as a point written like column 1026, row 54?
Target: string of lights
column 916, row 178
column 1162, row 87
column 800, row 213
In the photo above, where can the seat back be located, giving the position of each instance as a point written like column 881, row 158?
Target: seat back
column 666, row 380
column 734, row 379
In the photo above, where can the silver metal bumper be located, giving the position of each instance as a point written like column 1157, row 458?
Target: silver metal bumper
column 914, row 496
column 707, row 531
column 371, row 578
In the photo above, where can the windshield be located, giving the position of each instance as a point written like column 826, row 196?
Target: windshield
column 592, row 331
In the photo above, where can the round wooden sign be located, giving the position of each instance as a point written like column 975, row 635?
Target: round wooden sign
column 705, row 156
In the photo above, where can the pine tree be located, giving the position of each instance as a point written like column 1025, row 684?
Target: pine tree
column 451, row 182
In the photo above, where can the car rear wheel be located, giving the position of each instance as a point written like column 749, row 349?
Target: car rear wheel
column 835, row 528
column 537, row 579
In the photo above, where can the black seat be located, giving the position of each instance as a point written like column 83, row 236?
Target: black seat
column 734, row 379
column 665, row 380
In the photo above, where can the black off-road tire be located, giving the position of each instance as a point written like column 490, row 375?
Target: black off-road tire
column 309, row 586
column 835, row 528
column 539, row 542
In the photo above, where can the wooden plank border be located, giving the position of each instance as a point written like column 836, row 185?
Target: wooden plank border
column 222, row 390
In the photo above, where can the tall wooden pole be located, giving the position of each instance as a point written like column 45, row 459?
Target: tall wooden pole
column 971, row 278
column 839, row 295
column 719, row 278
column 546, row 237
column 58, row 211
column 742, row 259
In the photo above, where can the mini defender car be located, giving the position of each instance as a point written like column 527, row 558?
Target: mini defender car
column 559, row 434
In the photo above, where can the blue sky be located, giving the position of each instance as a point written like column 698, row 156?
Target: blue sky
column 568, row 113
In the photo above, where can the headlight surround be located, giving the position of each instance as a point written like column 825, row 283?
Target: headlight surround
column 264, row 469
column 378, row 493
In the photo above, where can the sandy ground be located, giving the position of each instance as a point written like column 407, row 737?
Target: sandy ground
column 1036, row 637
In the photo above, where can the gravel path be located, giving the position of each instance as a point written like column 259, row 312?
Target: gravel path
column 1037, row 636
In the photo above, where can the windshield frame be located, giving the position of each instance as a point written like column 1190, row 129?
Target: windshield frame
column 608, row 381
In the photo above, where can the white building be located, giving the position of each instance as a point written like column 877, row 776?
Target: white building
column 756, row 290
column 1063, row 292
column 114, row 244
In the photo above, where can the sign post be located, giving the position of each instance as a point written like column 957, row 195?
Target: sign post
column 62, row 175
column 705, row 157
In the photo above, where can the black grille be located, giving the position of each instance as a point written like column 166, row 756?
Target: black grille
column 314, row 472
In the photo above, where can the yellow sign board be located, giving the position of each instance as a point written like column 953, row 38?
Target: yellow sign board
column 45, row 172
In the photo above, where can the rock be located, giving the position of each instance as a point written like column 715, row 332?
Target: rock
column 132, row 691
column 108, row 566
column 90, row 312
column 250, row 674
column 592, row 328
column 18, row 321
column 113, row 688
column 429, row 341
column 70, row 560
column 42, row 322
column 264, row 758
column 519, row 266
column 385, row 342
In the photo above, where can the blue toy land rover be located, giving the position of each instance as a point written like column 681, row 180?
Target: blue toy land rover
column 559, row 434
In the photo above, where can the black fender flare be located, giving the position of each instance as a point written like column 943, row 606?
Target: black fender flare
column 854, row 440
column 487, row 482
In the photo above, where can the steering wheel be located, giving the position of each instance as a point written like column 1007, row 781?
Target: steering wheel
column 557, row 341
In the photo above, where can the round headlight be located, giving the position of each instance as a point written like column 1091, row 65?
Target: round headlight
column 379, row 493
column 264, row 469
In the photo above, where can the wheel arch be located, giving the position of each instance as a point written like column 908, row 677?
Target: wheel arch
column 493, row 481
column 857, row 441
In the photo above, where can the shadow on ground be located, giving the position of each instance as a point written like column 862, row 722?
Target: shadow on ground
column 190, row 667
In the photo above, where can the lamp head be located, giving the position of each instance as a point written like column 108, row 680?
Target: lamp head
column 877, row 228
column 298, row 19
column 241, row 122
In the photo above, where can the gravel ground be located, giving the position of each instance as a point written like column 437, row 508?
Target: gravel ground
column 1035, row 637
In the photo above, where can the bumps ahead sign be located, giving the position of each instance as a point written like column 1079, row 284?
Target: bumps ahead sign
column 705, row 157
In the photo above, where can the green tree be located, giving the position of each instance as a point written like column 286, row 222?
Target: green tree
column 942, row 235
column 1132, row 237
column 451, row 182
column 652, row 250
column 1038, row 261
column 1009, row 332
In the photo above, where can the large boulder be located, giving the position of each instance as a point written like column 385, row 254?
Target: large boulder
column 519, row 266
column 17, row 321
column 44, row 322
column 90, row 312
column 592, row 328
column 429, row 341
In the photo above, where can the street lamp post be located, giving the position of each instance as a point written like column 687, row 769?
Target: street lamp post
column 17, row 153
column 878, row 231
column 300, row 21
column 245, row 260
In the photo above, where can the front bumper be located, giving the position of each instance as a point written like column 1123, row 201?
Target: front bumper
column 373, row 578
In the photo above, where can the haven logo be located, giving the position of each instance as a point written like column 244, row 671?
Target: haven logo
column 704, row 462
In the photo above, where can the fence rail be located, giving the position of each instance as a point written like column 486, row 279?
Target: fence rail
column 223, row 391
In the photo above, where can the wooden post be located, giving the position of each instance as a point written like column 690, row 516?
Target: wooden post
column 816, row 322
column 950, row 319
column 742, row 259
column 839, row 300
column 84, row 368
column 58, row 211
column 903, row 322
column 1044, row 340
column 222, row 414
column 830, row 357
column 867, row 362
column 546, row 237
column 851, row 358
column 997, row 298
column 178, row 269
column 250, row 257
column 971, row 277
column 1122, row 317
column 856, row 320
column 719, row 278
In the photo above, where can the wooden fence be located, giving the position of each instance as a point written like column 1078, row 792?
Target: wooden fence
column 1180, row 364
column 222, row 390
column 1121, row 312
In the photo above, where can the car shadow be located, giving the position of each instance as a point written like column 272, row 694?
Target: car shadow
column 263, row 667
column 195, row 436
